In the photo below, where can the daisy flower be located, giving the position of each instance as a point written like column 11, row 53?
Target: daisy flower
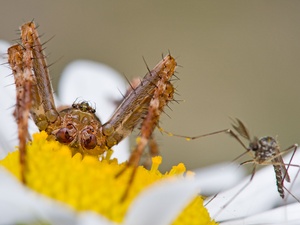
column 66, row 189
column 74, row 190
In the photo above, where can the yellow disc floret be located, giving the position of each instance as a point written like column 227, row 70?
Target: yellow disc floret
column 87, row 183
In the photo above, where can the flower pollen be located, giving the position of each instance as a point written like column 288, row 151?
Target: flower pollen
column 87, row 183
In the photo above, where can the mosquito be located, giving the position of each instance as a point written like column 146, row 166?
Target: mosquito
column 263, row 151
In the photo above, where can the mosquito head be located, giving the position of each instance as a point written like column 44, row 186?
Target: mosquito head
column 254, row 144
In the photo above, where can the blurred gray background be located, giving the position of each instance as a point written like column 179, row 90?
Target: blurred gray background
column 239, row 59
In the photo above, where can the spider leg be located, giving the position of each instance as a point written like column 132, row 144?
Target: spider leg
column 163, row 93
column 135, row 106
column 21, row 67
column 43, row 109
column 153, row 150
column 34, row 92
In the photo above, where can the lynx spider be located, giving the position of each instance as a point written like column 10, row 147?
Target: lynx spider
column 78, row 126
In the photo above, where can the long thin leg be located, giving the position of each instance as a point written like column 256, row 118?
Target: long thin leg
column 239, row 192
column 285, row 170
column 280, row 171
column 227, row 131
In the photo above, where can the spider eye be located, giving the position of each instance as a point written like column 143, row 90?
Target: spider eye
column 64, row 135
column 90, row 142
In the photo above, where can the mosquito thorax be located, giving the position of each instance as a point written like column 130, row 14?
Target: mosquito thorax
column 264, row 148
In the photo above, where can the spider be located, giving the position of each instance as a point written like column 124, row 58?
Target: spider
column 78, row 126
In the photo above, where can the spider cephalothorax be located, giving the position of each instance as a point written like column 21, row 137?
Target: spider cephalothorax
column 78, row 126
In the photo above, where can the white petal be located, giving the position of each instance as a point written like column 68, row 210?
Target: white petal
column 260, row 195
column 19, row 204
column 162, row 202
column 97, row 84
column 8, row 128
column 91, row 218
column 216, row 178
column 285, row 215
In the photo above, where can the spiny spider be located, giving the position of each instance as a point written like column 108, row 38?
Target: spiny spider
column 78, row 126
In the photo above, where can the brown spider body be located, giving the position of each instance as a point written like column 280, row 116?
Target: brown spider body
column 78, row 126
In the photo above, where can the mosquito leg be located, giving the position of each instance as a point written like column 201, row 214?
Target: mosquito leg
column 227, row 131
column 239, row 192
column 281, row 172
column 286, row 175
column 291, row 187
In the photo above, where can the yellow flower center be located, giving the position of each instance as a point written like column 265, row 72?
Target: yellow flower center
column 87, row 183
